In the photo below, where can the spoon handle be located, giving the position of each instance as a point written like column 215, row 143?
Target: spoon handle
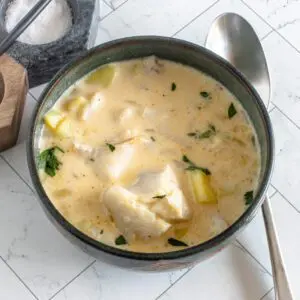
column 282, row 288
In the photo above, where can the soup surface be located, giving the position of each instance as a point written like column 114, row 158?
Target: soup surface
column 149, row 155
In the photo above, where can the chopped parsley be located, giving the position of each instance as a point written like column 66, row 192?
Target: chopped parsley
column 248, row 197
column 111, row 147
column 205, row 94
column 193, row 167
column 159, row 197
column 120, row 240
column 231, row 111
column 176, row 243
column 48, row 161
column 152, row 138
column 173, row 86
column 203, row 135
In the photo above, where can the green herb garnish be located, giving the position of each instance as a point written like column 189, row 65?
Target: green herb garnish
column 120, row 240
column 248, row 197
column 176, row 243
column 152, row 138
column 111, row 147
column 231, row 111
column 205, row 94
column 212, row 127
column 193, row 167
column 173, row 86
column 159, row 197
column 48, row 161
column 204, row 135
column 187, row 160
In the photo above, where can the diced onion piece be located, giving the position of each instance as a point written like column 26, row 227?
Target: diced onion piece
column 201, row 187
column 53, row 118
column 64, row 128
column 102, row 76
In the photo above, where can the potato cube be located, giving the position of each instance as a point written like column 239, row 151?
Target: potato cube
column 102, row 76
column 75, row 104
column 201, row 187
column 52, row 119
column 64, row 128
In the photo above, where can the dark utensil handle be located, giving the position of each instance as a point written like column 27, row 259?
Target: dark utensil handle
column 23, row 24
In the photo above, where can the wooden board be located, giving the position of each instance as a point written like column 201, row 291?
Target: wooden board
column 12, row 105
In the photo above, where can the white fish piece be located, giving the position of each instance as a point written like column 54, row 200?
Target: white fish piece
column 108, row 164
column 151, row 184
column 132, row 217
column 161, row 189
column 96, row 102
column 172, row 207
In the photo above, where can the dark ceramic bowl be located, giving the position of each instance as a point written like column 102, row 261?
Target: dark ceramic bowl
column 178, row 51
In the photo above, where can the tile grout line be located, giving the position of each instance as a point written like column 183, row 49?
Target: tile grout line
column 170, row 286
column 12, row 270
column 81, row 272
column 108, row 4
column 293, row 122
column 274, row 29
column 113, row 10
column 195, row 18
column 267, row 293
column 292, row 205
column 267, row 271
column 29, row 92
column 17, row 173
column 266, row 35
column 253, row 257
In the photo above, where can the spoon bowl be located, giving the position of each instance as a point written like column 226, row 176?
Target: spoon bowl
column 234, row 39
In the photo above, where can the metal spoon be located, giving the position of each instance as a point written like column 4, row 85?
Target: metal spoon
column 233, row 38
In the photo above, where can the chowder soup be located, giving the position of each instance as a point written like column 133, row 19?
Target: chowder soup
column 149, row 155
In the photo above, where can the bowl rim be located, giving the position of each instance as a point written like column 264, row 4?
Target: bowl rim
column 206, row 246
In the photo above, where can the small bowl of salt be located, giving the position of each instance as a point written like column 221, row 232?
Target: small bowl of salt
column 63, row 30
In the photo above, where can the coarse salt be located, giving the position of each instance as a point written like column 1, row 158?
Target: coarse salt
column 53, row 22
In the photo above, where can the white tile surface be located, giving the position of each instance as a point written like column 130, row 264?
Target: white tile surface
column 288, row 227
column 114, row 4
column 287, row 141
column 44, row 259
column 37, row 91
column 99, row 282
column 196, row 32
column 283, row 15
column 285, row 75
column 105, row 9
column 153, row 17
column 11, row 287
column 232, row 274
column 269, row 296
column 46, row 262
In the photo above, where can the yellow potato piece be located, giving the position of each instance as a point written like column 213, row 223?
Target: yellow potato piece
column 201, row 187
column 64, row 128
column 181, row 232
column 76, row 104
column 102, row 76
column 52, row 119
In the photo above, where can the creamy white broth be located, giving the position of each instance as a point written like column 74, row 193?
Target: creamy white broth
column 151, row 114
